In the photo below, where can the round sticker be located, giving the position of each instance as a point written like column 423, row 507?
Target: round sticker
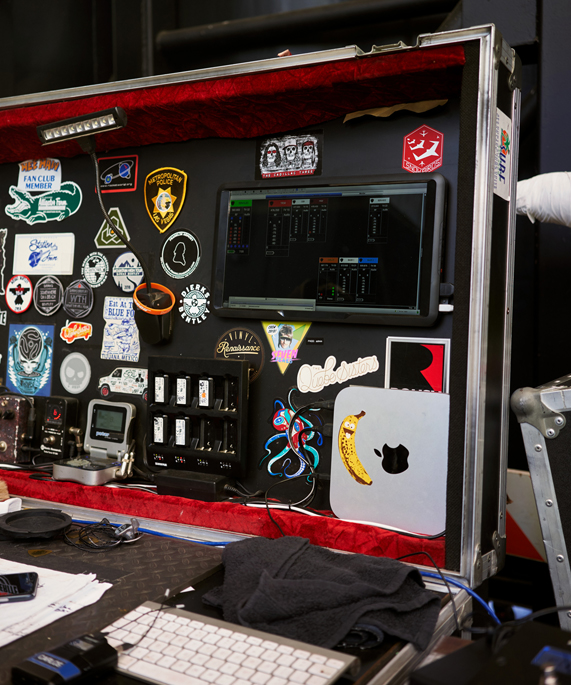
column 242, row 343
column 75, row 373
column 127, row 272
column 180, row 254
column 48, row 295
column 19, row 293
column 194, row 301
column 78, row 299
column 94, row 269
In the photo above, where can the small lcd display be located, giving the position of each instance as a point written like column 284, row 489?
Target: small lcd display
column 363, row 251
column 112, row 420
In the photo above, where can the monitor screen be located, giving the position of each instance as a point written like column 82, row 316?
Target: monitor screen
column 356, row 251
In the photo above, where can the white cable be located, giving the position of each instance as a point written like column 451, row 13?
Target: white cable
column 261, row 505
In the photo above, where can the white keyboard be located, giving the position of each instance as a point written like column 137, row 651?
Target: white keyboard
column 178, row 647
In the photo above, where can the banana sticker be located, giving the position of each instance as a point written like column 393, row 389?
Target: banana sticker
column 347, row 449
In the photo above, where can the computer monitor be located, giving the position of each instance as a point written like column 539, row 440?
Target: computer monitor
column 359, row 250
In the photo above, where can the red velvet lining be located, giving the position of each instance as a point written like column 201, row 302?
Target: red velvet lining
column 327, row 532
column 244, row 106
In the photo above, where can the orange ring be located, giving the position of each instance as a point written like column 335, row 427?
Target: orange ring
column 148, row 310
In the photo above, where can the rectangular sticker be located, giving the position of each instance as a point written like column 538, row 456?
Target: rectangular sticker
column 418, row 364
column 120, row 335
column 44, row 253
column 30, row 356
column 118, row 174
column 502, row 155
column 292, row 155
column 39, row 174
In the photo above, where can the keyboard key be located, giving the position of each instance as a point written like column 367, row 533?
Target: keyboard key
column 302, row 664
column 283, row 672
column 226, row 642
column 334, row 663
column 166, row 661
column 276, row 681
column 252, row 662
column 224, row 632
column 318, row 658
column 195, row 670
column 139, row 652
column 229, row 669
column 152, row 657
column 224, row 679
column 260, row 678
column 125, row 660
column 322, row 669
column 301, row 653
column 253, row 640
column 269, row 644
column 267, row 667
column 270, row 655
column 179, row 666
column 165, row 675
column 244, row 673
column 255, row 651
column 210, row 676
column 285, row 649
column 214, row 664
column 285, row 660
column 299, row 677
column 316, row 680
column 200, row 659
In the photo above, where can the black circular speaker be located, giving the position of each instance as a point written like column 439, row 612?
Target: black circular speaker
column 34, row 523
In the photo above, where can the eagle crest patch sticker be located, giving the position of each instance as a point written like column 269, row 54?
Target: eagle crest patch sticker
column 165, row 190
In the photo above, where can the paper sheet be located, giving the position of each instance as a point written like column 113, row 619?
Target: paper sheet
column 58, row 594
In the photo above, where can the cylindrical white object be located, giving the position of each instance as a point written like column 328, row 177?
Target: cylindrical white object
column 546, row 197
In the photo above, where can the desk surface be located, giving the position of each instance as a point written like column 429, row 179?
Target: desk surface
column 139, row 572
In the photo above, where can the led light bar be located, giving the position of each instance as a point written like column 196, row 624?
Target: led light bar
column 78, row 127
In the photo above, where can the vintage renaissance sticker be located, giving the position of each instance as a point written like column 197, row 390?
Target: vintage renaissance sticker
column 48, row 295
column 39, row 175
column 165, row 191
column 194, row 303
column 30, row 353
column 76, row 330
column 54, row 205
column 19, row 293
column 44, row 253
column 126, row 381
column 75, row 373
column 120, row 335
column 127, row 272
column 417, row 364
column 285, row 338
column 243, row 344
column 3, row 236
column 180, row 254
column 291, row 155
column 313, row 378
column 94, row 269
column 503, row 157
column 422, row 150
column 118, row 174
column 106, row 236
column 78, row 299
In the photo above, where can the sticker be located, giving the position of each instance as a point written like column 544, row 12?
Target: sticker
column 39, row 175
column 125, row 380
column 55, row 205
column 76, row 330
column 106, row 236
column 418, row 364
column 120, row 335
column 44, row 253
column 285, row 339
column 502, row 155
column 422, row 150
column 165, row 190
column 118, row 174
column 19, row 294
column 242, row 343
column 313, row 378
column 3, row 319
column 30, row 353
column 127, row 272
column 94, row 269
column 282, row 457
column 78, row 299
column 180, row 254
column 75, row 373
column 3, row 236
column 48, row 295
column 291, row 155
column 194, row 303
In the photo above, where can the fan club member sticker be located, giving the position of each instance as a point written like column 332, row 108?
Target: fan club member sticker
column 165, row 190
column 53, row 205
column 48, row 295
column 39, row 175
column 120, row 335
column 127, row 272
column 194, row 303
column 19, row 293
column 76, row 330
column 422, row 150
column 242, row 344
column 94, row 269
column 78, row 299
column 30, row 353
column 180, row 254
column 106, row 236
column 118, row 174
column 75, row 373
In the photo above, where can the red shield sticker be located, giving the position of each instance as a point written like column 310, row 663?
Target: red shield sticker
column 422, row 150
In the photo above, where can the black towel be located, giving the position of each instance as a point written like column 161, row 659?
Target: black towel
column 291, row 588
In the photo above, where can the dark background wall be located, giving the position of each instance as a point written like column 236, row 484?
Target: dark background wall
column 49, row 46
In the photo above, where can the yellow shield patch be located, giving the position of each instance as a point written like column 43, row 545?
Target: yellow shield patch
column 165, row 191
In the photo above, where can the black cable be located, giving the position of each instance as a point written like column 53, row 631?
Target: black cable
column 413, row 554
column 103, row 530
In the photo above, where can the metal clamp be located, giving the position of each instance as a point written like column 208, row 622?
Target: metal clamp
column 528, row 406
